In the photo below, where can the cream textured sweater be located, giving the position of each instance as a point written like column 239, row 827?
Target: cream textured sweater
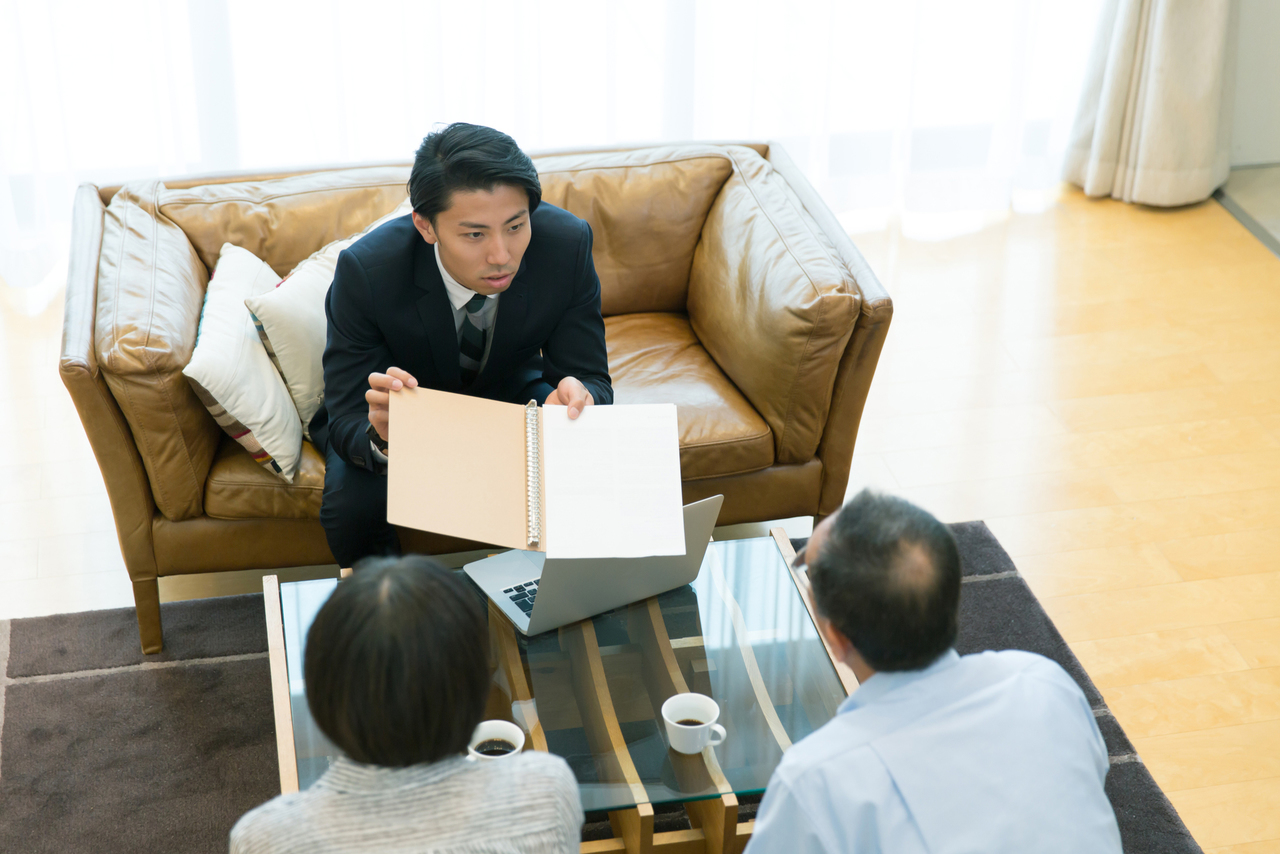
column 527, row 803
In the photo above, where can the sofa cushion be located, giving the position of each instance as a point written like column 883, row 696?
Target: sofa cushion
column 151, row 288
column 773, row 303
column 231, row 372
column 239, row 488
column 283, row 221
column 291, row 321
column 646, row 210
column 656, row 358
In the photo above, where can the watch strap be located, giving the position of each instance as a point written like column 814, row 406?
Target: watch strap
column 378, row 442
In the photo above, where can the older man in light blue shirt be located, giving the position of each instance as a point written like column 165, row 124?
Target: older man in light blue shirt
column 934, row 752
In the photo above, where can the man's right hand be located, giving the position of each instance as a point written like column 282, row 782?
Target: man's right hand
column 379, row 396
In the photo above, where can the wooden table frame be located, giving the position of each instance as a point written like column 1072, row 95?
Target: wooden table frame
column 716, row 829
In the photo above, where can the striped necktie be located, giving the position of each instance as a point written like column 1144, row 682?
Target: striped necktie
column 471, row 341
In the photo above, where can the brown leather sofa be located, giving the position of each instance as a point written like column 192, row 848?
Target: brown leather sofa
column 728, row 289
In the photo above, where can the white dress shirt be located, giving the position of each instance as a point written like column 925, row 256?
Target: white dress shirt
column 459, row 296
column 996, row 752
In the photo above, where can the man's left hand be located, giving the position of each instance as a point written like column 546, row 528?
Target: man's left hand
column 571, row 393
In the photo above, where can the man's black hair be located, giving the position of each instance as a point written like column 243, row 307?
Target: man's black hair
column 888, row 577
column 396, row 663
column 468, row 157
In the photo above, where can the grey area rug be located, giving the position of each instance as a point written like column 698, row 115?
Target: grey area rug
column 106, row 750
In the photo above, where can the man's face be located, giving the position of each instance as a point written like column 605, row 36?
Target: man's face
column 482, row 236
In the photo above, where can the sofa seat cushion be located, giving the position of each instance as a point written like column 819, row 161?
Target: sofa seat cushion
column 656, row 358
column 653, row 358
column 239, row 488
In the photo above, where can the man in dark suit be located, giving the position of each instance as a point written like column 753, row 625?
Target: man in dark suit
column 484, row 290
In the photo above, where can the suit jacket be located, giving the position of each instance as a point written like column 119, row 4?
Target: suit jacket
column 388, row 307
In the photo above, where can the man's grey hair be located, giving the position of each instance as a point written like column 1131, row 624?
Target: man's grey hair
column 888, row 577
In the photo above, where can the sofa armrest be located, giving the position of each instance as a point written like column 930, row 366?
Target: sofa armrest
column 773, row 303
column 858, row 364
column 150, row 293
column 109, row 435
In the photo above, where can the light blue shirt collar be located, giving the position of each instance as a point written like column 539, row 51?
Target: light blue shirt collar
column 881, row 683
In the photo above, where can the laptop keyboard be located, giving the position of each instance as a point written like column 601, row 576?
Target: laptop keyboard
column 523, row 594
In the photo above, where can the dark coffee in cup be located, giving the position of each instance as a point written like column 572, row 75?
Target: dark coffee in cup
column 691, row 722
column 494, row 747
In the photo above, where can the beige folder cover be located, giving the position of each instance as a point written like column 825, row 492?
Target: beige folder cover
column 457, row 466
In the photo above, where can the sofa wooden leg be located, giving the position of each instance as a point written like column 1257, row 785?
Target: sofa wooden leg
column 146, row 596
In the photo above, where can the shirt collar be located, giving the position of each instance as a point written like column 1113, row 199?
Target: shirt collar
column 459, row 295
column 881, row 683
column 345, row 775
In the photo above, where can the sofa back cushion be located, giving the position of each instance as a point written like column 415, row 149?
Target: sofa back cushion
column 285, row 220
column 151, row 288
column 771, row 301
column 646, row 209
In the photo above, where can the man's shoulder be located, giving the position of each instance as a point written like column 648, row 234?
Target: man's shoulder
column 828, row 759
column 993, row 675
column 551, row 223
column 391, row 242
column 836, row 745
column 858, row 728
column 1012, row 663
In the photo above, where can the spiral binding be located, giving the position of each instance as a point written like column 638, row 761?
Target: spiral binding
column 533, row 473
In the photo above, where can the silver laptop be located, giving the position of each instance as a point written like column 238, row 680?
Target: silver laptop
column 539, row 593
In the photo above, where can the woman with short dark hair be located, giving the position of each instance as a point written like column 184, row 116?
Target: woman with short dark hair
column 397, row 677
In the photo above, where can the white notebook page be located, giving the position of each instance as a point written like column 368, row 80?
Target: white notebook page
column 612, row 481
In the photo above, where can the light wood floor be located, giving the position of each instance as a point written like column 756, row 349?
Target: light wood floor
column 1099, row 382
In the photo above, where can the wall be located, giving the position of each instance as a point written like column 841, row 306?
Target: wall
column 1255, row 136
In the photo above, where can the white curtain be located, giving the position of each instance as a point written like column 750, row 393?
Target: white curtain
column 1154, row 121
column 937, row 114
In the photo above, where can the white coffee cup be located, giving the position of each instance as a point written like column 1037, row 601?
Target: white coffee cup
column 686, row 737
column 489, row 730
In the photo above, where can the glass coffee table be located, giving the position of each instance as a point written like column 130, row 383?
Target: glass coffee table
column 743, row 633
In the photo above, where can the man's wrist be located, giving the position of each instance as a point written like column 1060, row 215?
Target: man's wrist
column 377, row 440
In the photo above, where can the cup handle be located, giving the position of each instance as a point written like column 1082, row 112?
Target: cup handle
column 717, row 736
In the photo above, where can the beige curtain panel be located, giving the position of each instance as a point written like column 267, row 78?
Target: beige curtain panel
column 1154, row 121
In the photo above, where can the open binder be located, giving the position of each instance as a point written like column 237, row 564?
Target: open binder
column 479, row 469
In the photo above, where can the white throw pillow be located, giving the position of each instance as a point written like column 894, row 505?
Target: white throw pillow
column 231, row 372
column 290, row 320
